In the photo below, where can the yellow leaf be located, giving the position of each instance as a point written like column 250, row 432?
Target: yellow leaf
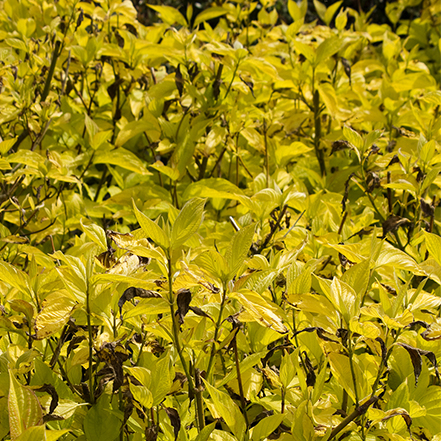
column 261, row 311
column 54, row 315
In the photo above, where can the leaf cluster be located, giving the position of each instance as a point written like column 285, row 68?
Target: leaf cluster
column 221, row 226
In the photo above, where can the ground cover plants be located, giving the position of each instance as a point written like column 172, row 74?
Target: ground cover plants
column 220, row 226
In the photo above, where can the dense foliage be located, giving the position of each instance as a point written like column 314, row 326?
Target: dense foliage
column 221, row 226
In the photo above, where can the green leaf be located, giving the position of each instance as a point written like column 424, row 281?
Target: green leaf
column 239, row 249
column 228, row 410
column 100, row 423
column 151, row 229
column 96, row 234
column 188, row 222
column 266, row 426
column 24, row 408
column 208, row 14
column 169, row 15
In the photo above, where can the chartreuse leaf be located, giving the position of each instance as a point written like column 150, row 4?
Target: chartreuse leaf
column 73, row 275
column 288, row 370
column 326, row 49
column 344, row 298
column 297, row 12
column 161, row 380
column 228, row 410
column 100, row 424
column 340, row 368
column 353, row 137
column 14, row 277
column 24, row 408
column 330, row 12
column 122, row 158
column 169, row 15
column 266, row 426
column 245, row 364
column 213, row 188
column 358, row 277
column 24, row 307
column 205, row 432
column 239, row 248
column 208, row 14
column 95, row 233
column 142, row 395
column 151, row 229
column 39, row 433
column 214, row 263
column 55, row 313
column 261, row 311
column 35, row 433
column 320, row 8
column 188, row 222
column 433, row 244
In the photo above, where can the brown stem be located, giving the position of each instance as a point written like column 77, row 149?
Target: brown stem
column 360, row 410
column 273, row 229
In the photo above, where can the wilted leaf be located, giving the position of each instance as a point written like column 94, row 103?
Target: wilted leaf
column 50, row 389
column 175, row 420
column 415, row 357
column 132, row 292
column 106, row 259
column 183, row 300
column 200, row 312
column 392, row 223
column 433, row 332
column 151, row 433
column 320, row 333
